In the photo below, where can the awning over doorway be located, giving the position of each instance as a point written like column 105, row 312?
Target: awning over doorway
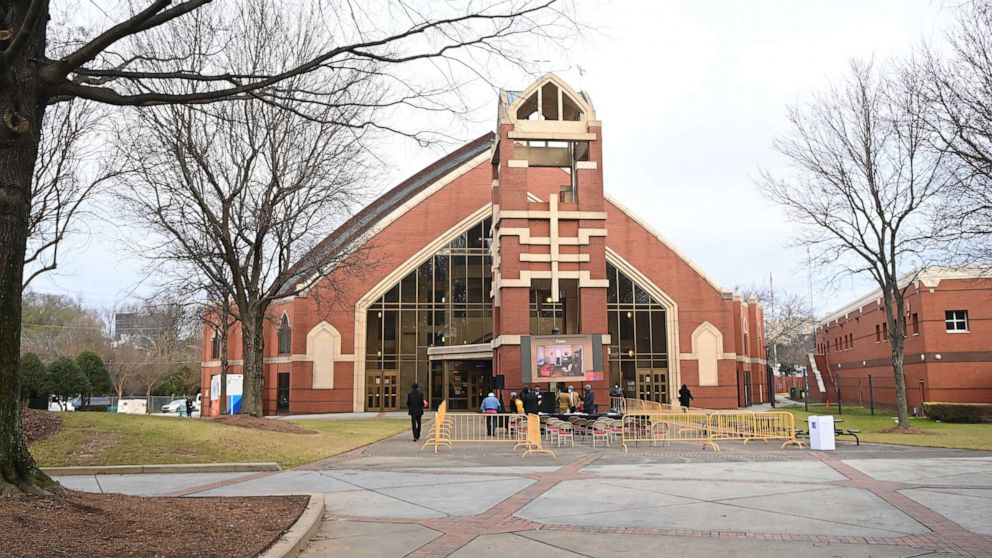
column 478, row 351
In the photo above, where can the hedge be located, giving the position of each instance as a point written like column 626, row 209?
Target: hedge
column 959, row 412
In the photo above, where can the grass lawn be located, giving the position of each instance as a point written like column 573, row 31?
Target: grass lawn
column 940, row 434
column 118, row 439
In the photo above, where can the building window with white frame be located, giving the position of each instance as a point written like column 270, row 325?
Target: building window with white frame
column 956, row 321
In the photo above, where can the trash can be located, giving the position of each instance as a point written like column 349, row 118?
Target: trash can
column 793, row 392
column 821, row 432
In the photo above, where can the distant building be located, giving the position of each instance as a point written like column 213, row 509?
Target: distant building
column 948, row 352
column 506, row 264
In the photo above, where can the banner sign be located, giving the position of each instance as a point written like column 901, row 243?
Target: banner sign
column 235, row 387
column 561, row 358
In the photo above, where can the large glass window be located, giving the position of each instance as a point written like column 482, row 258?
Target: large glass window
column 638, row 336
column 444, row 302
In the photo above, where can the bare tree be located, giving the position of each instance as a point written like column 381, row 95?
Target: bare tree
column 60, row 187
column 151, row 339
column 959, row 91
column 249, row 186
column 122, row 66
column 789, row 323
column 866, row 175
column 56, row 325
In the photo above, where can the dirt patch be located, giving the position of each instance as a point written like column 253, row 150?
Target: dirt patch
column 272, row 425
column 39, row 425
column 909, row 430
column 83, row 524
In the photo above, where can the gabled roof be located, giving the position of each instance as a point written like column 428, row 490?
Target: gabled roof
column 363, row 221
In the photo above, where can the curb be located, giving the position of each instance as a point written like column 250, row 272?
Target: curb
column 177, row 468
column 294, row 540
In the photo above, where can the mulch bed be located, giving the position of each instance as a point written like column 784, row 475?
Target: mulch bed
column 83, row 524
column 272, row 425
column 38, row 425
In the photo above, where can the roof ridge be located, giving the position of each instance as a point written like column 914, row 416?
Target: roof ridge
column 365, row 218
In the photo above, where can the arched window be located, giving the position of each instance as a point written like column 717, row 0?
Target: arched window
column 549, row 102
column 285, row 336
column 215, row 344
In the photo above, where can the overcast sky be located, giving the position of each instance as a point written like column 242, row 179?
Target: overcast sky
column 691, row 95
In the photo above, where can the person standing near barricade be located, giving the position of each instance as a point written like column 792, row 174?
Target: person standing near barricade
column 415, row 404
column 573, row 399
column 529, row 401
column 589, row 400
column 685, row 396
column 490, row 406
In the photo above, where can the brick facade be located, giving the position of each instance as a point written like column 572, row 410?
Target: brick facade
column 539, row 234
column 940, row 365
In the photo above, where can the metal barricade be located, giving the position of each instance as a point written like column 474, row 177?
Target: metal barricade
column 532, row 437
column 665, row 427
column 707, row 427
column 439, row 434
column 774, row 426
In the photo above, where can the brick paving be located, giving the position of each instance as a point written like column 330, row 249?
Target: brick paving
column 944, row 536
column 397, row 455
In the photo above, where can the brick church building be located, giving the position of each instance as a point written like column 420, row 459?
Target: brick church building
column 507, row 262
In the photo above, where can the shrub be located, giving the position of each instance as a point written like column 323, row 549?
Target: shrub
column 959, row 412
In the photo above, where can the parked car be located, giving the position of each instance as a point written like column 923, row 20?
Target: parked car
column 174, row 405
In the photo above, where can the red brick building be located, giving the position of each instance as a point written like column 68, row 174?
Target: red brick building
column 948, row 352
column 507, row 258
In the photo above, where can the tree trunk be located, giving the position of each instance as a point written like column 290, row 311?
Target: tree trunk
column 22, row 109
column 902, row 410
column 896, row 318
column 253, row 369
column 224, row 364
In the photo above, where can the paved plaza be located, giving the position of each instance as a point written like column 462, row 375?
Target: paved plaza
column 391, row 499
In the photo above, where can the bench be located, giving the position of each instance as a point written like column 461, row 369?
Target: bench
column 853, row 432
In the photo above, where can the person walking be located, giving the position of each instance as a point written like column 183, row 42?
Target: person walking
column 189, row 407
column 588, row 400
column 685, row 396
column 490, row 406
column 415, row 404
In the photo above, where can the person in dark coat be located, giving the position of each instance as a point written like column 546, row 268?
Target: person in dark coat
column 189, row 407
column 415, row 406
column 588, row 400
column 685, row 396
column 530, row 401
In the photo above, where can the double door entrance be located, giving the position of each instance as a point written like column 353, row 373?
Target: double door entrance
column 651, row 384
column 382, row 390
column 463, row 383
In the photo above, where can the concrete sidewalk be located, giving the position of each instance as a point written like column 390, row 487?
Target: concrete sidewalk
column 392, row 499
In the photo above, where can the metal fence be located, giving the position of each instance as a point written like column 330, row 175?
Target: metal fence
column 873, row 393
column 153, row 403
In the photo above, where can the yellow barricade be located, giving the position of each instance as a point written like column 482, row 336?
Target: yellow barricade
column 775, row 426
column 439, row 433
column 666, row 427
column 533, row 437
column 706, row 427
